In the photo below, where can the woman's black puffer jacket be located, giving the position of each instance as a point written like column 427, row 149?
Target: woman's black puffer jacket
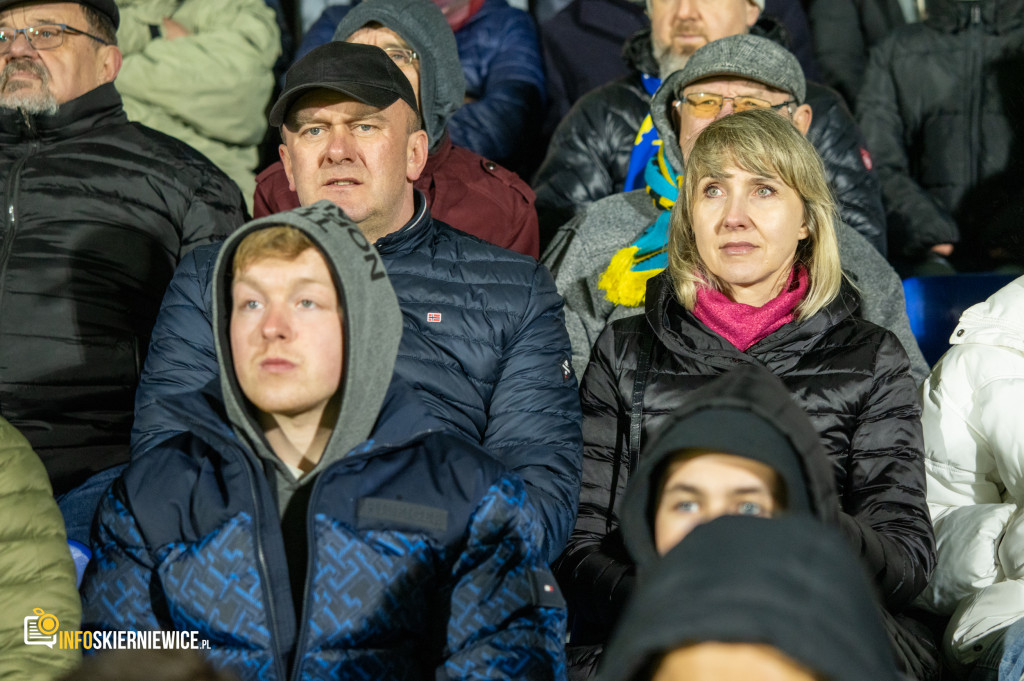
column 850, row 376
column 588, row 157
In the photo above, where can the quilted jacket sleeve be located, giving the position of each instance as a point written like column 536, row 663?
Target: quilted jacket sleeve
column 502, row 580
column 35, row 564
column 840, row 144
column 916, row 222
column 534, row 420
column 121, row 589
column 885, row 512
column 595, row 570
column 182, row 356
column 589, row 152
column 500, row 57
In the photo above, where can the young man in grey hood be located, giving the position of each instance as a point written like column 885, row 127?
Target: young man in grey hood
column 292, row 543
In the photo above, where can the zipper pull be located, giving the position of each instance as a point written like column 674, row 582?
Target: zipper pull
column 976, row 14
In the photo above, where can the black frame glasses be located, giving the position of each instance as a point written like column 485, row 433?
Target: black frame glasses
column 38, row 34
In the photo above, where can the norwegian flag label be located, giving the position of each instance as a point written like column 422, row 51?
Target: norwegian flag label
column 434, row 317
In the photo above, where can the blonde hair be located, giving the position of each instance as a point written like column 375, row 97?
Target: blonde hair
column 762, row 142
column 283, row 241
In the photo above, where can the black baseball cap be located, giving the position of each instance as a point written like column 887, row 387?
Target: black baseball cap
column 105, row 7
column 364, row 72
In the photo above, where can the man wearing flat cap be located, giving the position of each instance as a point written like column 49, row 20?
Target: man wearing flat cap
column 603, row 257
column 483, row 335
column 97, row 212
column 606, row 142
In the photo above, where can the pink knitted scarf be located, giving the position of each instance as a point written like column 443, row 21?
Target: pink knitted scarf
column 743, row 325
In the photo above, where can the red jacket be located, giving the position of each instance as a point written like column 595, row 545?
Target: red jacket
column 462, row 188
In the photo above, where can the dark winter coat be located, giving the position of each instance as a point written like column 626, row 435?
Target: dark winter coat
column 942, row 109
column 402, row 556
column 851, row 377
column 484, row 339
column 589, row 153
column 97, row 213
column 844, row 31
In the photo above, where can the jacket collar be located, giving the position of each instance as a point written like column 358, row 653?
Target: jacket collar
column 97, row 108
column 414, row 233
column 682, row 333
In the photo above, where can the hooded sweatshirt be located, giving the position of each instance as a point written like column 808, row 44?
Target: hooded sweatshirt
column 790, row 583
column 371, row 328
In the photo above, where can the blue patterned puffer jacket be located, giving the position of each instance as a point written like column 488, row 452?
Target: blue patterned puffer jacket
column 424, row 561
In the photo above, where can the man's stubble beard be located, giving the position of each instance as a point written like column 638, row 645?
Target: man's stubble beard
column 21, row 95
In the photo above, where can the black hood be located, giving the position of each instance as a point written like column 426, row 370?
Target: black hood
column 791, row 583
column 993, row 16
column 747, row 412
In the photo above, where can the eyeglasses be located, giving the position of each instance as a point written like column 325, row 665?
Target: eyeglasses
column 45, row 37
column 401, row 55
column 707, row 104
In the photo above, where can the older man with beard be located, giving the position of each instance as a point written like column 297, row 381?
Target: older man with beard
column 607, row 139
column 97, row 213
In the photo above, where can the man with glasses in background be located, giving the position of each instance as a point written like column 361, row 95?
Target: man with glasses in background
column 97, row 212
column 604, row 256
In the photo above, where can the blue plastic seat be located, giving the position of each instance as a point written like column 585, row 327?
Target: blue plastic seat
column 935, row 303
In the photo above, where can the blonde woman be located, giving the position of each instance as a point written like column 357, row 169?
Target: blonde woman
column 754, row 278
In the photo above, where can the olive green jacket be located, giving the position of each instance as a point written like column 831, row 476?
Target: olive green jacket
column 210, row 88
column 36, row 570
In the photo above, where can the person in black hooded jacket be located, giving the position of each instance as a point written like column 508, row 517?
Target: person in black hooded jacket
column 850, row 376
column 740, row 597
column 589, row 156
column 942, row 109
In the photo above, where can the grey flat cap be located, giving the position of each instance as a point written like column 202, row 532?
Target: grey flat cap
column 747, row 56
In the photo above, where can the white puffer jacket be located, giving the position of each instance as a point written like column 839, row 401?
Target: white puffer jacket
column 974, row 445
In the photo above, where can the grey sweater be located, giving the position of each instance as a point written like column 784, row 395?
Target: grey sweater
column 583, row 247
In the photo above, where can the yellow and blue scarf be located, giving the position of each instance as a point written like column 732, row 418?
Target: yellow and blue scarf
column 625, row 279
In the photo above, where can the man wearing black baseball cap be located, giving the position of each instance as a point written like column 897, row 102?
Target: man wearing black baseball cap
column 483, row 334
column 97, row 213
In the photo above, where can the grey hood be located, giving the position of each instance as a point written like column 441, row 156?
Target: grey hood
column 371, row 324
column 421, row 24
column 661, row 116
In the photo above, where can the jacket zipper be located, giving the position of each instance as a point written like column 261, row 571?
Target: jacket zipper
column 261, row 558
column 10, row 220
column 310, row 553
column 977, row 76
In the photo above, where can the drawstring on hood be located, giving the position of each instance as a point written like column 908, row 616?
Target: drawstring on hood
column 421, row 24
column 371, row 328
column 746, row 412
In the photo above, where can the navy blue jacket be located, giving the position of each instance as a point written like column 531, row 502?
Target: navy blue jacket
column 495, row 365
column 424, row 559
